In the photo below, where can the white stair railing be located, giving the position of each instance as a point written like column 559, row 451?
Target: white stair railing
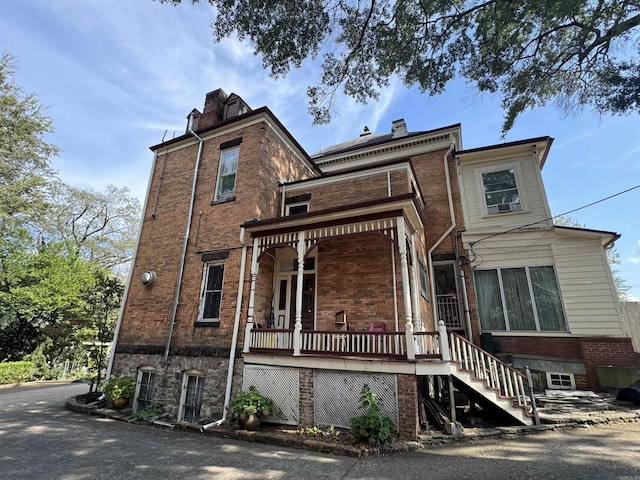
column 497, row 375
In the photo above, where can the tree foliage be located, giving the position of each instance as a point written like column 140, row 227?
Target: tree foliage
column 576, row 52
column 61, row 247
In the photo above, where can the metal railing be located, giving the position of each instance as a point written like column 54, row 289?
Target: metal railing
column 448, row 310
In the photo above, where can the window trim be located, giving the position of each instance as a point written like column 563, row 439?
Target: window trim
column 229, row 195
column 292, row 205
column 519, row 185
column 571, row 378
column 422, row 270
column 141, row 371
column 203, row 293
column 531, row 296
column 183, row 394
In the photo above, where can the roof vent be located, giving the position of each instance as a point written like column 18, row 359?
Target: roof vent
column 398, row 128
column 366, row 131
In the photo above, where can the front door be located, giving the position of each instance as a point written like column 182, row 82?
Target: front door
column 285, row 311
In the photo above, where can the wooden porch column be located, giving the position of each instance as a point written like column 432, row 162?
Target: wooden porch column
column 415, row 293
column 252, row 296
column 297, row 337
column 406, row 294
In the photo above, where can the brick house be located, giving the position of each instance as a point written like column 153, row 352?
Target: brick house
column 383, row 260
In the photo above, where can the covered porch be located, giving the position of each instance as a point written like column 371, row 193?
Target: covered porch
column 370, row 313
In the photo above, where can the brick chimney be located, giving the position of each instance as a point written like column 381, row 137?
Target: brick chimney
column 399, row 128
column 213, row 109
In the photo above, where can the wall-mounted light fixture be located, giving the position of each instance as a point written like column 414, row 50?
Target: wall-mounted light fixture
column 148, row 278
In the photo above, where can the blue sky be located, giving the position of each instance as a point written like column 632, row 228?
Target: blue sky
column 116, row 75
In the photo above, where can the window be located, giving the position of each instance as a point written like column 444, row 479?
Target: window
column 191, row 398
column 501, row 192
column 297, row 208
column 524, row 298
column 144, row 387
column 424, row 290
column 212, row 294
column 227, row 175
column 561, row 381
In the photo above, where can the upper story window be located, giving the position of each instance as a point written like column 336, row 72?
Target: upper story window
column 226, row 188
column 501, row 193
column 297, row 208
column 212, row 294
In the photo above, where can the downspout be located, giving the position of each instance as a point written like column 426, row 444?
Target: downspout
column 446, row 233
column 116, row 332
column 184, row 246
column 234, row 339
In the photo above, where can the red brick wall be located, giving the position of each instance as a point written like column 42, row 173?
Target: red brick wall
column 408, row 424
column 354, row 274
column 263, row 161
column 606, row 351
column 306, row 412
column 354, row 190
column 563, row 347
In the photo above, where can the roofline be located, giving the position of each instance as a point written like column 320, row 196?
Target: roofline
column 505, row 145
column 257, row 112
column 614, row 236
column 382, row 142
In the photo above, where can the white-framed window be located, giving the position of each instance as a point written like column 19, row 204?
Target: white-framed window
column 212, row 292
column 144, row 387
column 424, row 287
column 500, row 191
column 521, row 298
column 226, row 188
column 561, row 381
column 191, row 396
column 297, row 208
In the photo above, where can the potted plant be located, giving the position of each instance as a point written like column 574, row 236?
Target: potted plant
column 119, row 390
column 249, row 407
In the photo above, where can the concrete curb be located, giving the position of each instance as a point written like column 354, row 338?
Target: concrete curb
column 293, row 441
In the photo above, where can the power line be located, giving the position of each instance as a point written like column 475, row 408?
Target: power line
column 555, row 216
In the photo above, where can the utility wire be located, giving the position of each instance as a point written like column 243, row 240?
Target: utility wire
column 555, row 216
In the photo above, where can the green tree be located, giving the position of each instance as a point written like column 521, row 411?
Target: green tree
column 622, row 287
column 576, row 52
column 100, row 226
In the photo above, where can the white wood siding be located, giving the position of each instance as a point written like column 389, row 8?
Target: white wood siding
column 631, row 314
column 529, row 187
column 584, row 278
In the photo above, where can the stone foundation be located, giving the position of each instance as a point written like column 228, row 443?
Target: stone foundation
column 168, row 380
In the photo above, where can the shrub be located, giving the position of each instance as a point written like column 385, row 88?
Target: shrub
column 152, row 411
column 251, row 402
column 372, row 427
column 16, row 372
column 120, row 387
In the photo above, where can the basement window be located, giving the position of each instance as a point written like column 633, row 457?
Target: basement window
column 144, row 387
column 561, row 381
column 191, row 397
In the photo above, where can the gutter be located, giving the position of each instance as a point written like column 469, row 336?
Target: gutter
column 234, row 340
column 184, row 247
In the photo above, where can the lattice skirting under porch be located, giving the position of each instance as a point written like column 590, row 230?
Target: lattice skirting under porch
column 336, row 393
column 282, row 385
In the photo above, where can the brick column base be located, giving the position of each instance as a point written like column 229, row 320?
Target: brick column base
column 305, row 418
column 408, row 425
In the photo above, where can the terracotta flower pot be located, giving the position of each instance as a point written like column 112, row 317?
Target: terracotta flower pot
column 119, row 403
column 249, row 422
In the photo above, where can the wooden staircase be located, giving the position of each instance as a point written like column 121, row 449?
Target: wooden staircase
column 495, row 381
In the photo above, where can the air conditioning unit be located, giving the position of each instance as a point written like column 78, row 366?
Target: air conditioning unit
column 504, row 207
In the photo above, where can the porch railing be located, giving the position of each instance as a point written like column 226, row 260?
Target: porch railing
column 427, row 344
column 379, row 344
column 448, row 310
column 498, row 375
column 271, row 339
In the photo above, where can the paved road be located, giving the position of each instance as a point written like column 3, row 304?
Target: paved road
column 41, row 440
